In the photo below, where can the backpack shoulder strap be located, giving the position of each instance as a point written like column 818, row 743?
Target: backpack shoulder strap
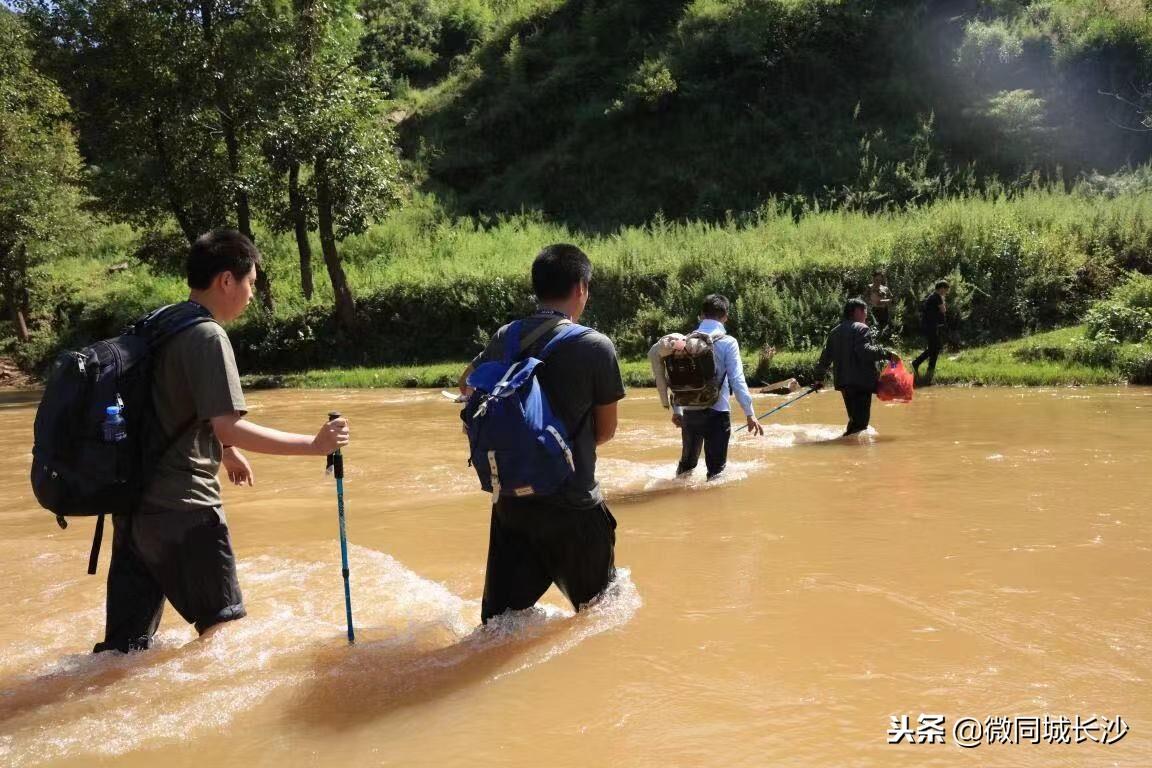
column 539, row 331
column 163, row 324
column 517, row 343
column 569, row 332
column 512, row 341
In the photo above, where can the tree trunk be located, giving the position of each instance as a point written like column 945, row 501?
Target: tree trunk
column 300, row 225
column 345, row 305
column 232, row 146
column 19, row 321
column 175, row 203
column 15, row 294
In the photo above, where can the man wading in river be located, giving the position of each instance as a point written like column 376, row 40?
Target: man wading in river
column 702, row 371
column 566, row 535
column 176, row 545
column 853, row 359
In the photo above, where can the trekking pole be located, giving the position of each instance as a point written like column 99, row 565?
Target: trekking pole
column 781, row 406
column 336, row 467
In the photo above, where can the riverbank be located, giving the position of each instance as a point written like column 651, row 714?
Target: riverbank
column 11, row 377
column 1046, row 359
column 429, row 288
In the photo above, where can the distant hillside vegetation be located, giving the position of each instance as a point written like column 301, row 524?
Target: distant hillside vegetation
column 605, row 112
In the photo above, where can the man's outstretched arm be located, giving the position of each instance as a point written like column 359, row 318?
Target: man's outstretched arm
column 235, row 430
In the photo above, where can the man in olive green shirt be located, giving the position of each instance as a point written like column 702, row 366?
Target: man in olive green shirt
column 176, row 546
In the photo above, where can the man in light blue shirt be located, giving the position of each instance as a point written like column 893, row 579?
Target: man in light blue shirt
column 711, row 428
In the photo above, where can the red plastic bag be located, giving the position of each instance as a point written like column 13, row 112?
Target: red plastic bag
column 895, row 384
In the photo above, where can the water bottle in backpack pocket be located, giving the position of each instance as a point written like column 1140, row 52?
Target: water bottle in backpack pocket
column 518, row 445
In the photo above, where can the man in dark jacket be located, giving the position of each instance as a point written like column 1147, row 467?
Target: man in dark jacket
column 853, row 358
column 932, row 315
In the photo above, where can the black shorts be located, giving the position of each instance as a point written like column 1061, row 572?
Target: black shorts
column 535, row 542
column 184, row 556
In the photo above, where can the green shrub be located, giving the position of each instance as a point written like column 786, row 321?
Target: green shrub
column 1138, row 370
column 1101, row 352
column 1115, row 322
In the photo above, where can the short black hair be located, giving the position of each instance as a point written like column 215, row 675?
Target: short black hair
column 942, row 284
column 221, row 250
column 878, row 272
column 852, row 305
column 714, row 306
column 558, row 269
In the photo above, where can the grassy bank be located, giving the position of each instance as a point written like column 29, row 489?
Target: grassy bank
column 1046, row 359
column 431, row 287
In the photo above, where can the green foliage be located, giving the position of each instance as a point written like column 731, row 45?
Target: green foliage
column 1138, row 370
column 433, row 287
column 400, row 39
column 1126, row 316
column 163, row 91
column 418, row 40
column 987, row 47
column 650, row 88
column 701, row 108
column 40, row 168
column 1135, row 292
column 1115, row 323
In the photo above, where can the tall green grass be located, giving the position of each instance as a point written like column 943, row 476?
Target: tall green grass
column 432, row 287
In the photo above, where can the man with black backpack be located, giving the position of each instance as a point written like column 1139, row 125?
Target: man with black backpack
column 543, row 396
column 698, row 373
column 175, row 545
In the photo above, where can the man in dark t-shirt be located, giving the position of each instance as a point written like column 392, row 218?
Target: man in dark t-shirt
column 176, row 545
column 932, row 317
column 567, row 538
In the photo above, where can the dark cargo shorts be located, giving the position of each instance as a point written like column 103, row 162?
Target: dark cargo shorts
column 184, row 556
column 535, row 542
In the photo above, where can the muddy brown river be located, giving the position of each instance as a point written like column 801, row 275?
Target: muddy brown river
column 984, row 556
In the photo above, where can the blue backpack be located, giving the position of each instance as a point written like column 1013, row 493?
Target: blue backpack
column 519, row 447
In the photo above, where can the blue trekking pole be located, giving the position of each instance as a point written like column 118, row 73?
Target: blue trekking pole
column 782, row 405
column 336, row 467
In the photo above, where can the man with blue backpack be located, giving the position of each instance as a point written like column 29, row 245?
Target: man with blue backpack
column 139, row 426
column 543, row 396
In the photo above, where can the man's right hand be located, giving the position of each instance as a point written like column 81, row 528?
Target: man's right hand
column 678, row 420
column 335, row 434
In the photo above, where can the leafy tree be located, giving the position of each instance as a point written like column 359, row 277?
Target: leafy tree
column 330, row 138
column 169, row 93
column 39, row 170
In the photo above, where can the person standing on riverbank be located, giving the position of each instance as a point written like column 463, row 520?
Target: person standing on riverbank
column 853, row 358
column 176, row 546
column 932, row 316
column 879, row 299
column 567, row 538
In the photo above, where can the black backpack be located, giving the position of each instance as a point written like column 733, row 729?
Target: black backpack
column 74, row 471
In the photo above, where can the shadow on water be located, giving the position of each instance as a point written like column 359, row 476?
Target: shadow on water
column 82, row 676
column 351, row 686
column 400, row 667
